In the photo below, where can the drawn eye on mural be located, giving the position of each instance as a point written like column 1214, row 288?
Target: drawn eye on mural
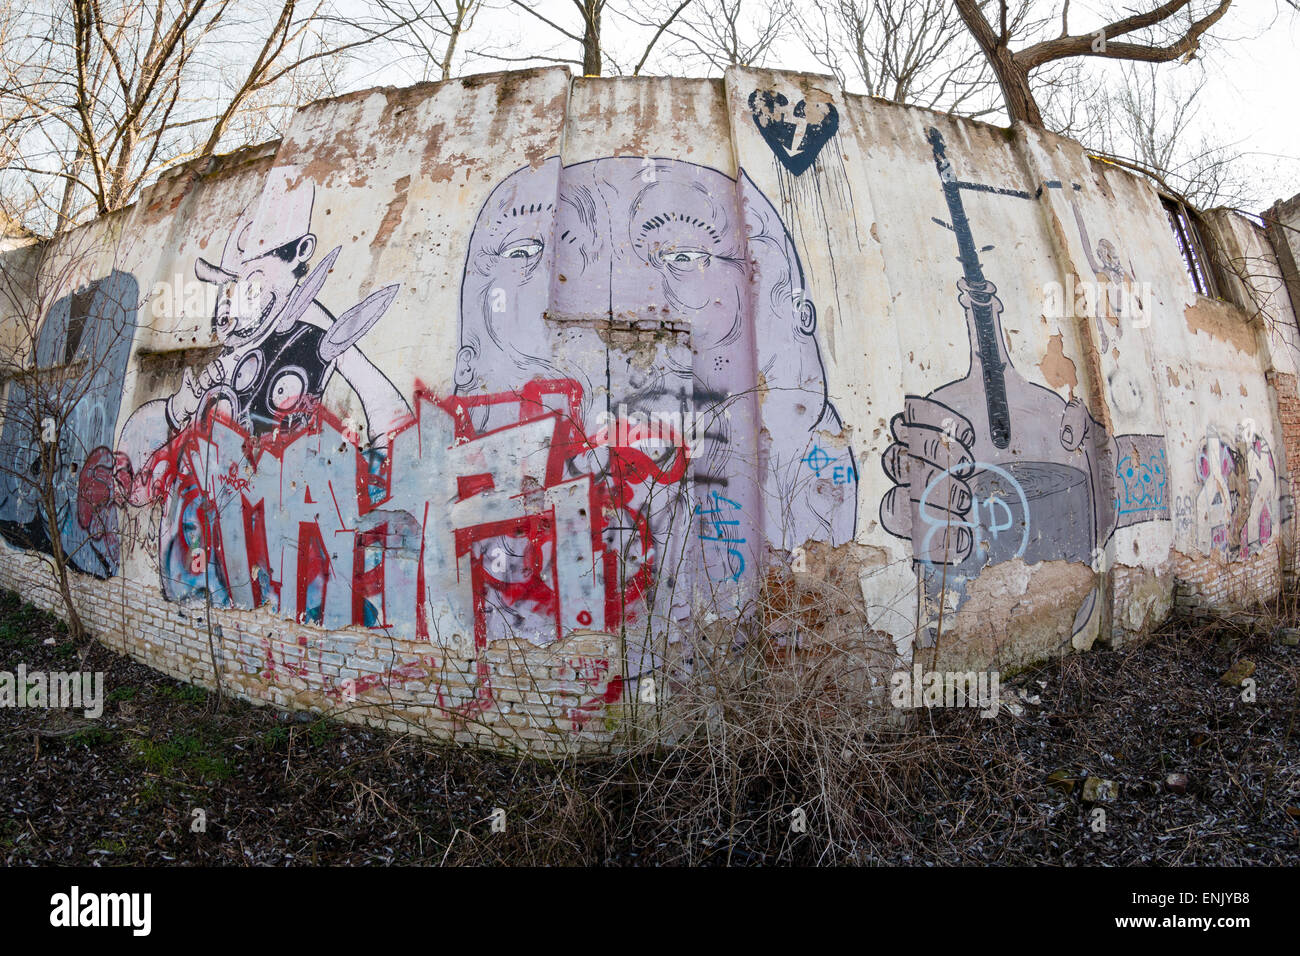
column 523, row 249
column 991, row 466
column 686, row 257
column 681, row 247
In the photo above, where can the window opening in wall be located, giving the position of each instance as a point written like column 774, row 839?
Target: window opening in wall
column 1190, row 244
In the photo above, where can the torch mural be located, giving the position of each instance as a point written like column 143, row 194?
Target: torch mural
column 992, row 467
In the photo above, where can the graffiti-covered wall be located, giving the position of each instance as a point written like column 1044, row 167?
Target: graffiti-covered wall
column 473, row 405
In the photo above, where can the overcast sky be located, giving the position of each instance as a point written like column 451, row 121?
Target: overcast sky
column 1253, row 90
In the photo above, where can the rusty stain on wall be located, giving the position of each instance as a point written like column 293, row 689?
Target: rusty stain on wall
column 393, row 215
column 1222, row 322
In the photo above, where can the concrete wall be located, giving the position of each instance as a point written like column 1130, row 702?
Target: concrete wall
column 473, row 405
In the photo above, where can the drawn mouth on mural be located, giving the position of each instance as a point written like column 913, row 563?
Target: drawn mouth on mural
column 240, row 332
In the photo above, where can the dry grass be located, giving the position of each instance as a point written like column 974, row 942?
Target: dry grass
column 777, row 732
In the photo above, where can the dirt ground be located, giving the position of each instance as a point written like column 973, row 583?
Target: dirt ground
column 278, row 789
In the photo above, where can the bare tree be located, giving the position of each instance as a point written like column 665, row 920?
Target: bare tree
column 100, row 96
column 905, row 51
column 63, row 358
column 587, row 33
column 295, row 42
column 1161, row 33
column 1149, row 121
column 431, row 31
column 720, row 33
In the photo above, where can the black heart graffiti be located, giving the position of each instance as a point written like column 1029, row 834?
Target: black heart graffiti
column 796, row 135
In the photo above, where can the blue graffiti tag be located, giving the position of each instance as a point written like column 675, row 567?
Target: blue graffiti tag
column 1000, row 515
column 841, row 474
column 817, row 460
column 1144, row 484
column 721, row 529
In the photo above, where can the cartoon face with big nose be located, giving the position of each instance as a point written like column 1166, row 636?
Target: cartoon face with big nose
column 664, row 288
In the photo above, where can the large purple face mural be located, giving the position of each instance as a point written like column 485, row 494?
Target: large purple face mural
column 669, row 292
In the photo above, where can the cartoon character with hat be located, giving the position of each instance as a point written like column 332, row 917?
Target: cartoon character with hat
column 281, row 345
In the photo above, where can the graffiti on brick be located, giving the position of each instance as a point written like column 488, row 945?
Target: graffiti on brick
column 87, row 333
column 619, row 319
column 1236, row 509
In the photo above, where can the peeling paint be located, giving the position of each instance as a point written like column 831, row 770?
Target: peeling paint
column 1057, row 369
column 1223, row 323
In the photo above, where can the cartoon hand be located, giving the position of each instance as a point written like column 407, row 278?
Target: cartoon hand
column 182, row 406
column 209, row 378
column 930, row 461
column 1075, row 422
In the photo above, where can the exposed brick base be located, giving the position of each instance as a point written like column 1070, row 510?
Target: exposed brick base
column 565, row 699
column 549, row 701
column 1288, row 412
column 1204, row 583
